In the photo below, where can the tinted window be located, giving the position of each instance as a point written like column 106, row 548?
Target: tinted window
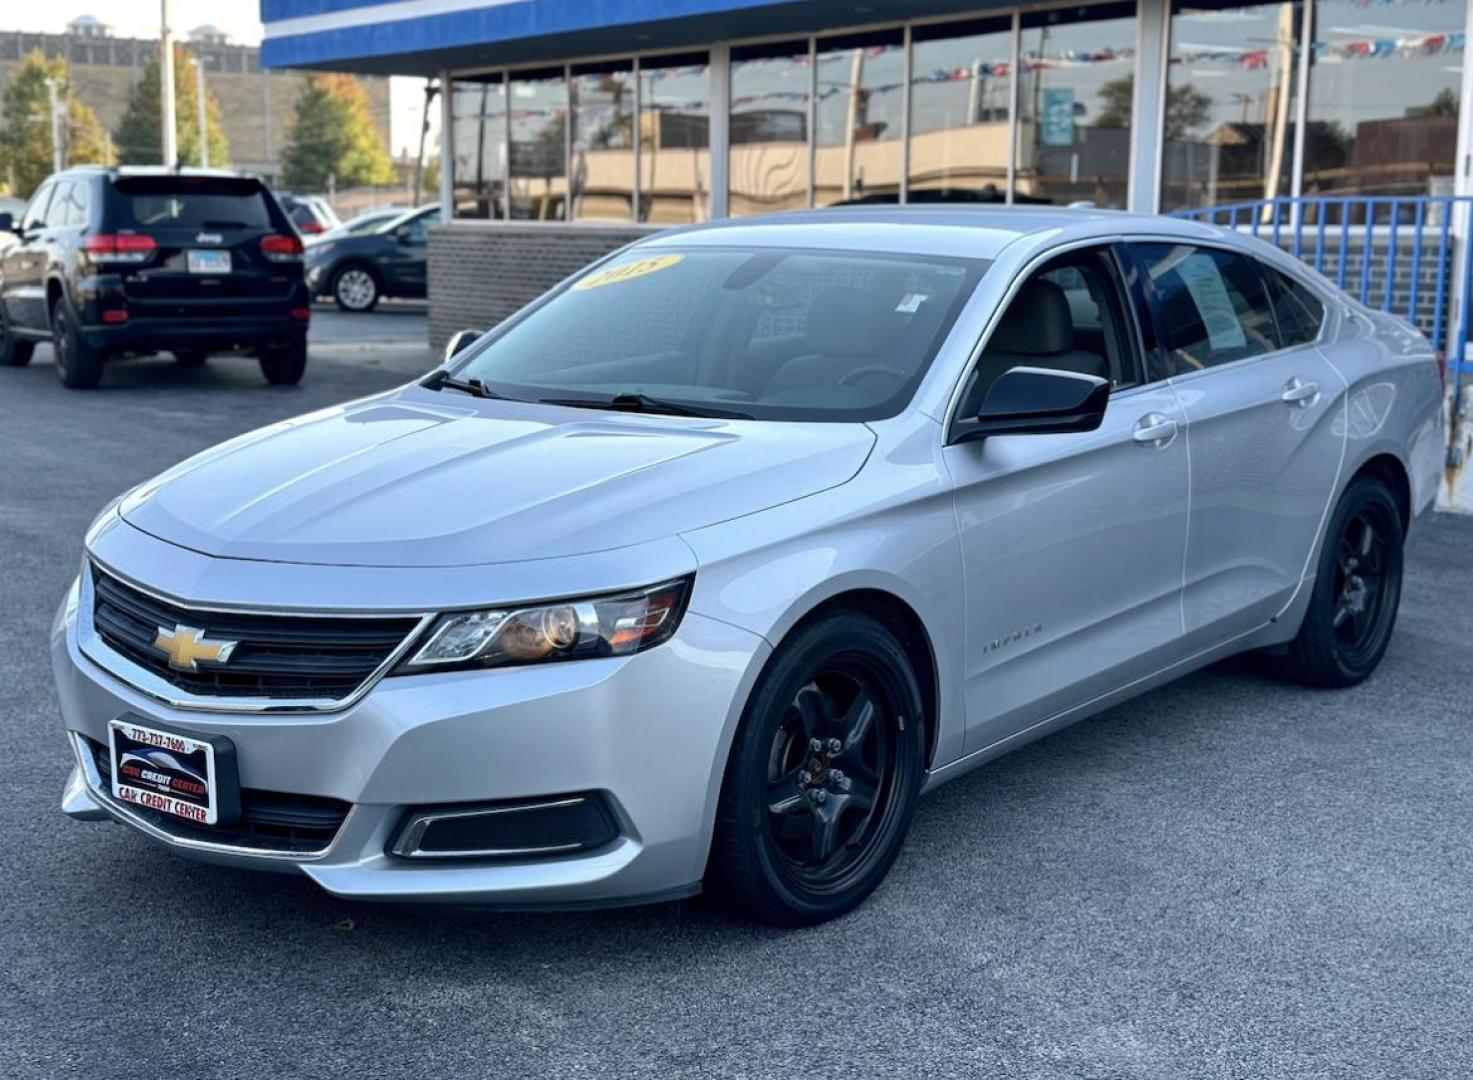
column 416, row 228
column 1212, row 305
column 191, row 203
column 69, row 204
column 801, row 335
column 1299, row 311
column 36, row 212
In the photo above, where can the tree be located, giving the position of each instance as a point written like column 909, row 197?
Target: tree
column 1186, row 107
column 1444, row 104
column 25, row 141
column 140, row 132
column 332, row 134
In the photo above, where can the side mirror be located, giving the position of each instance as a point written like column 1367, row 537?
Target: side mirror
column 459, row 342
column 7, row 222
column 1037, row 401
column 404, row 234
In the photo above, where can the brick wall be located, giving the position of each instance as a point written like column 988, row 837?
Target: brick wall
column 480, row 274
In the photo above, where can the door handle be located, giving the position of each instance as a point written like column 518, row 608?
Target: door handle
column 1154, row 429
column 1298, row 392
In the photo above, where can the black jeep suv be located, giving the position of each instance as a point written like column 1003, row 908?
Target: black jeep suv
column 127, row 262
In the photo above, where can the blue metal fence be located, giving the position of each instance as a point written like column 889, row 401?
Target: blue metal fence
column 1397, row 254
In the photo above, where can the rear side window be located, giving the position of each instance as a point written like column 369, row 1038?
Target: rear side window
column 190, row 203
column 1299, row 311
column 69, row 204
column 1212, row 305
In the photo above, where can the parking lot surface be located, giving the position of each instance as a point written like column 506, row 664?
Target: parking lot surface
column 1229, row 877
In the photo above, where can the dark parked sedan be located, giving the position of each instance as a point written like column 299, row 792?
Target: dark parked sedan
column 358, row 271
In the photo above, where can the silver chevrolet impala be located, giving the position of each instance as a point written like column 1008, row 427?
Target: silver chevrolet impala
column 700, row 569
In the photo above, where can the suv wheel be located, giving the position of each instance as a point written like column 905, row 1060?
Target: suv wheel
column 13, row 351
column 78, row 365
column 285, row 366
column 1356, row 594
column 355, row 288
column 823, row 776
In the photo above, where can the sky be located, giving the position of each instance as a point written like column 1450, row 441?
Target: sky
column 240, row 19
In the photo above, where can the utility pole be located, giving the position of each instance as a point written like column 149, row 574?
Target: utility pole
column 58, row 152
column 204, row 128
column 166, row 87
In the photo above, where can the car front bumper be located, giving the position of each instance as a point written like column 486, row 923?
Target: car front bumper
column 648, row 733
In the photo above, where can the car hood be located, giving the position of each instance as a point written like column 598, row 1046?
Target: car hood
column 409, row 479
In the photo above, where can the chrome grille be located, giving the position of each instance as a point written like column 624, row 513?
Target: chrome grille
column 277, row 657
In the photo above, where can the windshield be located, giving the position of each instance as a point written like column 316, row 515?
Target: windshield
column 773, row 334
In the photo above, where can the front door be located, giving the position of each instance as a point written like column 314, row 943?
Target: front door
column 1265, row 428
column 1072, row 544
column 23, row 266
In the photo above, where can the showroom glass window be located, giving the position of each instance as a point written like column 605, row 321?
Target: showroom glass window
column 1077, row 72
column 961, row 82
column 1230, row 103
column 675, row 139
column 770, row 93
column 1383, row 97
column 860, row 108
column 601, row 175
column 538, row 110
column 478, row 142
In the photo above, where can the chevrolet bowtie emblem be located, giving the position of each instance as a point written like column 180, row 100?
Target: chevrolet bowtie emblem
column 186, row 647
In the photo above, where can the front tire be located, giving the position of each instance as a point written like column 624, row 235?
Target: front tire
column 285, row 366
column 823, row 776
column 1357, row 591
column 356, row 288
column 78, row 365
column 13, row 351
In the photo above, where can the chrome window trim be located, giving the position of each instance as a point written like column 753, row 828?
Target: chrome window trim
column 102, row 794
column 146, row 682
column 413, row 831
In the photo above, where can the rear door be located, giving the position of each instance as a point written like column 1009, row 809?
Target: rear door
column 208, row 231
column 1072, row 544
column 23, row 265
column 1265, row 427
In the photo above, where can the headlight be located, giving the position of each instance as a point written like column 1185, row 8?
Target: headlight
column 613, row 625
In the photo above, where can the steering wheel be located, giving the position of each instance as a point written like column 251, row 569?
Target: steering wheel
column 871, row 369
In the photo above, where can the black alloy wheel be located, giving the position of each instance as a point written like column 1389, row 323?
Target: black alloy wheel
column 823, row 777
column 78, row 366
column 1352, row 612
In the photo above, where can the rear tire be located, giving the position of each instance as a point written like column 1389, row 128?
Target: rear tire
column 191, row 358
column 13, row 351
column 78, row 365
column 285, row 366
column 1357, row 591
column 823, row 776
column 356, row 288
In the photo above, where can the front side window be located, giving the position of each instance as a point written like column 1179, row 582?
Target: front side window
column 1068, row 316
column 1211, row 304
column 36, row 212
column 771, row 334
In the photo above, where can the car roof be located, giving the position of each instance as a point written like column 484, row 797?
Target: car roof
column 970, row 232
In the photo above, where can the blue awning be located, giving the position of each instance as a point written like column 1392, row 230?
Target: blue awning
column 422, row 37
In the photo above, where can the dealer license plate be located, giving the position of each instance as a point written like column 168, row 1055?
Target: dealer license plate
column 164, row 771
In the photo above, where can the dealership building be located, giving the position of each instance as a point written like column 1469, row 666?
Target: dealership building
column 572, row 126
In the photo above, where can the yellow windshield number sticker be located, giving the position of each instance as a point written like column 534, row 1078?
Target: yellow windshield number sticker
column 639, row 268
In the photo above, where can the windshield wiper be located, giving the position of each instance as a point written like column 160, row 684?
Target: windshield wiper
column 643, row 403
column 443, row 380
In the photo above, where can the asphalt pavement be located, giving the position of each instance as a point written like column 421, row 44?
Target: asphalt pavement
column 1228, row 877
